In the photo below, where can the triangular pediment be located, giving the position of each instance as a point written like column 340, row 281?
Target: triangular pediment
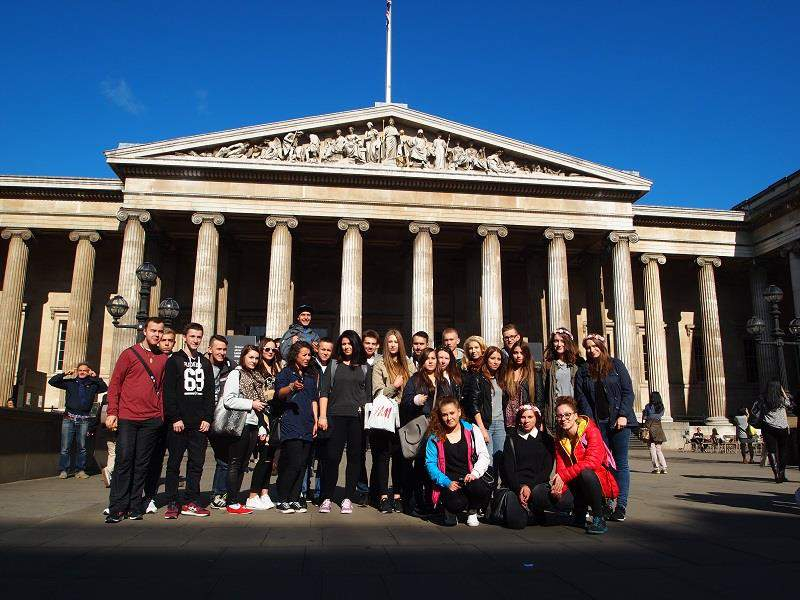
column 389, row 139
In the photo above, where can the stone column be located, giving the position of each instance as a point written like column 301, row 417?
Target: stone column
column 658, row 377
column 422, row 294
column 794, row 271
column 11, row 305
column 491, row 284
column 80, row 298
column 352, row 258
column 557, row 278
column 625, row 331
column 204, row 296
column 766, row 356
column 280, row 275
column 128, row 284
column 712, row 340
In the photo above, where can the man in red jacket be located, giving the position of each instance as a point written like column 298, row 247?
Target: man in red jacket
column 136, row 412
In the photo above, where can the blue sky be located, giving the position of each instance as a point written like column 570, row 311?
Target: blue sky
column 700, row 97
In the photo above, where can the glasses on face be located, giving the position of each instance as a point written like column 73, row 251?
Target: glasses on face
column 510, row 337
column 564, row 416
column 268, row 349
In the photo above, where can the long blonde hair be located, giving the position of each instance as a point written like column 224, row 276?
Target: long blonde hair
column 465, row 364
column 398, row 365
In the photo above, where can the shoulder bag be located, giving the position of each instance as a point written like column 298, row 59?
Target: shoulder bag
column 412, row 435
column 229, row 421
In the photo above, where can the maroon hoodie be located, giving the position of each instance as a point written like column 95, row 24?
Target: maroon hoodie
column 131, row 393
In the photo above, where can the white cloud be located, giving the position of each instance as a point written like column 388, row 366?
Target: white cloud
column 119, row 92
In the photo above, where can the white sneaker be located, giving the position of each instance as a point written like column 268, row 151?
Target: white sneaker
column 472, row 520
column 267, row 502
column 255, row 504
column 151, row 508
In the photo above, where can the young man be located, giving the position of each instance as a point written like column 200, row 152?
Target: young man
column 217, row 354
column 82, row 386
column 135, row 411
column 321, row 361
column 510, row 337
column 300, row 331
column 188, row 413
column 370, row 341
column 166, row 345
column 419, row 341
column 451, row 340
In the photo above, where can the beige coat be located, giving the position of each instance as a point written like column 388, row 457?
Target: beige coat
column 381, row 381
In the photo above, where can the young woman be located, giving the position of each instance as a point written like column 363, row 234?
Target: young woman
column 297, row 392
column 341, row 406
column 244, row 390
column 651, row 417
column 269, row 365
column 743, row 434
column 486, row 395
column 561, row 364
column 581, row 466
column 474, row 349
column 456, row 458
column 390, row 374
column 604, row 392
column 448, row 374
column 775, row 428
column 527, row 464
column 522, row 383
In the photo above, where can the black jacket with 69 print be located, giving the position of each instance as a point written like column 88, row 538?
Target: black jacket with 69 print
column 188, row 390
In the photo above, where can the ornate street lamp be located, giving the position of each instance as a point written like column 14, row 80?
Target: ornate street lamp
column 117, row 306
column 756, row 327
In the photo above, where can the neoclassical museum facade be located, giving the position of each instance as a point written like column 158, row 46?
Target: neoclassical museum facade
column 388, row 217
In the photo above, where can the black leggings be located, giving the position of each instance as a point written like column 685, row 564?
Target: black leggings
column 239, row 458
column 292, row 465
column 472, row 496
column 345, row 431
column 263, row 468
column 539, row 501
column 587, row 491
column 385, row 446
column 777, row 443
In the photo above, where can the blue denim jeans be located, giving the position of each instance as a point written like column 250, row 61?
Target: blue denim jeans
column 220, row 482
column 618, row 441
column 72, row 429
column 497, row 439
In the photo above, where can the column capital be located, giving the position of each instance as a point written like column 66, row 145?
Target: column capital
column 553, row 232
column 615, row 236
column 273, row 220
column 80, row 234
column 499, row 230
column 199, row 218
column 417, row 226
column 345, row 224
column 125, row 214
column 713, row 261
column 659, row 258
column 20, row 232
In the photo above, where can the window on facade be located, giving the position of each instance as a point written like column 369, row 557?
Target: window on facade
column 698, row 358
column 750, row 361
column 61, row 343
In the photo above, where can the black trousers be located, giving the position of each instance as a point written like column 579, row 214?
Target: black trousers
column 135, row 443
column 263, row 468
column 345, row 432
column 156, row 464
column 472, row 496
column 385, row 446
column 292, row 465
column 239, row 457
column 539, row 501
column 587, row 491
column 195, row 442
column 777, row 443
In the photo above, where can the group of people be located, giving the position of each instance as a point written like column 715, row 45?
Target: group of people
column 500, row 437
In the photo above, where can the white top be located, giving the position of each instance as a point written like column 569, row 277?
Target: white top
column 232, row 399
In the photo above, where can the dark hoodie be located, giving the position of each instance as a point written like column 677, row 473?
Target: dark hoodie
column 188, row 390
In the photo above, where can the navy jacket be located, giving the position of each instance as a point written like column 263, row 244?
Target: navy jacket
column 619, row 391
column 80, row 392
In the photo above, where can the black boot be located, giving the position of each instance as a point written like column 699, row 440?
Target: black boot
column 773, row 464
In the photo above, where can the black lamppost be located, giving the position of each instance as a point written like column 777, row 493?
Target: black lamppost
column 117, row 306
column 756, row 327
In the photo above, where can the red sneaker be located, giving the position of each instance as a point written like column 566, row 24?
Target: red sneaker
column 194, row 510
column 172, row 512
column 238, row 509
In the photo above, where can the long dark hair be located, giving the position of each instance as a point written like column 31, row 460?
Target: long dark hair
column 570, row 351
column 601, row 366
column 420, row 378
column 528, row 372
column 266, row 368
column 773, row 399
column 294, row 350
column 245, row 351
column 357, row 358
column 498, row 375
column 453, row 372
column 657, row 402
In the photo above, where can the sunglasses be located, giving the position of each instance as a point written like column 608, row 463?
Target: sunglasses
column 564, row 417
column 268, row 349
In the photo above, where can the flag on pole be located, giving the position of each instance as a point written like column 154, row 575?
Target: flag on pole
column 388, row 11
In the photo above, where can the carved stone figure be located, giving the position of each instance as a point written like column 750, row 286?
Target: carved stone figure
column 418, row 153
column 290, row 141
column 391, row 138
column 233, row 151
column 353, row 146
column 272, row 150
column 457, row 156
column 372, row 143
column 439, row 152
column 494, row 164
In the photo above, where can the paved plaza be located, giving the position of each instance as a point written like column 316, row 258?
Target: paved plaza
column 710, row 528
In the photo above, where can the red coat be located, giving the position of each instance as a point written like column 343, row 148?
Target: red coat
column 590, row 452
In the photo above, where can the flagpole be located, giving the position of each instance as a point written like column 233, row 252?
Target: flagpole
column 388, row 51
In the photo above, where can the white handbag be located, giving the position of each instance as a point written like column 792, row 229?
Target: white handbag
column 384, row 414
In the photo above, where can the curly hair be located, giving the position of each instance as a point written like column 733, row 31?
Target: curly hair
column 570, row 350
column 436, row 427
column 294, row 350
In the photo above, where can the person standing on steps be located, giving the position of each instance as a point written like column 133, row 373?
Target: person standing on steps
column 221, row 366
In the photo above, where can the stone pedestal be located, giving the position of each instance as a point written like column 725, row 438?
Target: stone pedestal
column 352, row 264
column 422, row 293
column 712, row 340
column 11, row 304
column 128, row 284
column 557, row 278
column 204, row 298
column 80, row 298
column 491, row 284
column 658, row 377
column 280, row 275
